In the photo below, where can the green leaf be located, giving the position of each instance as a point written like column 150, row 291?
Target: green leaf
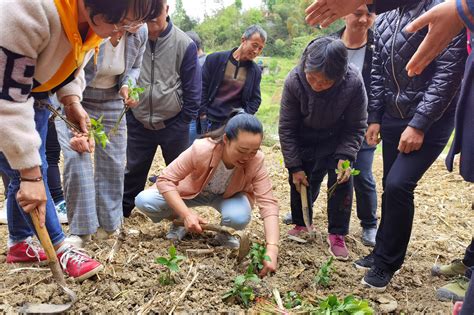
column 162, row 261
column 267, row 258
column 355, row 172
column 172, row 251
column 346, row 164
column 239, row 280
column 174, row 267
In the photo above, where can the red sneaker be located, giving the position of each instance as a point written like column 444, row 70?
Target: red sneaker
column 28, row 251
column 77, row 264
column 297, row 230
column 337, row 247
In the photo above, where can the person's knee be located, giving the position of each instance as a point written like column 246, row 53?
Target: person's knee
column 238, row 215
column 144, row 201
column 395, row 187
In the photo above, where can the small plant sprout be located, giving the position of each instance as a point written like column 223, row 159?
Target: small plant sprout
column 171, row 264
column 241, row 291
column 350, row 305
column 291, row 300
column 323, row 277
column 98, row 132
column 257, row 254
column 345, row 165
column 133, row 93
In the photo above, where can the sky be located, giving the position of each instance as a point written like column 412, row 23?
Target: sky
column 195, row 8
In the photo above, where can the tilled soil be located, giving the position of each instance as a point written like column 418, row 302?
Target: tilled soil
column 130, row 283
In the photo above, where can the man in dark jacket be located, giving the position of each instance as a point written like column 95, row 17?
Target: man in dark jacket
column 415, row 118
column 171, row 76
column 231, row 79
column 322, row 123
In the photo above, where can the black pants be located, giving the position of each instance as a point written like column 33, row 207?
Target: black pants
column 401, row 173
column 53, row 152
column 141, row 148
column 338, row 207
column 468, row 260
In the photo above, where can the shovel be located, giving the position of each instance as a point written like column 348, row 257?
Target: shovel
column 244, row 246
column 305, row 208
column 56, row 271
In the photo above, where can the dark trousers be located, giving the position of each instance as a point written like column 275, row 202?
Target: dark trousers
column 53, row 152
column 338, row 207
column 141, row 148
column 468, row 305
column 6, row 182
column 468, row 260
column 401, row 173
column 365, row 188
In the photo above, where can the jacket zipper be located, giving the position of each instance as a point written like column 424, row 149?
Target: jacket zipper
column 151, row 84
column 393, row 63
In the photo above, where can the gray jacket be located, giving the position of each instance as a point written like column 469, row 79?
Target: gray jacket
column 171, row 76
column 134, row 50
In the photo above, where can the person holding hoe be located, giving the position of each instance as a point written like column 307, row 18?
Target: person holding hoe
column 323, row 117
column 224, row 170
column 42, row 45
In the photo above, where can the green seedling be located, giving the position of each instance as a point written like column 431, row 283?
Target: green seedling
column 257, row 254
column 291, row 300
column 323, row 276
column 241, row 291
column 350, row 305
column 134, row 93
column 171, row 264
column 345, row 165
column 97, row 131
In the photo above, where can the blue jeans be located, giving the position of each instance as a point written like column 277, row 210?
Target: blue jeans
column 20, row 226
column 235, row 211
column 364, row 186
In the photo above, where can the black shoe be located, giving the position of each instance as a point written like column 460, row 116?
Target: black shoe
column 153, row 179
column 365, row 262
column 377, row 279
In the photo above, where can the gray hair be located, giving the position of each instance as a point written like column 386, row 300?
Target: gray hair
column 255, row 29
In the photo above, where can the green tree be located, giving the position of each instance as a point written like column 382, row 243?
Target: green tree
column 181, row 19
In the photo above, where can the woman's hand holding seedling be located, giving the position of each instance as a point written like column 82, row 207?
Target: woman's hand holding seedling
column 127, row 100
column 372, row 135
column 343, row 171
column 270, row 265
column 76, row 115
column 299, row 178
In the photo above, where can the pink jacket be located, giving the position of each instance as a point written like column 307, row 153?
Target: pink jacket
column 193, row 169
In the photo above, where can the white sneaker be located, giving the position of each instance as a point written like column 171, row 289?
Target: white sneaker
column 102, row 234
column 3, row 213
column 227, row 240
column 61, row 210
column 78, row 241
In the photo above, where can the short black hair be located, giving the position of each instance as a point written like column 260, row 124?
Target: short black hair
column 115, row 11
column 328, row 56
column 196, row 39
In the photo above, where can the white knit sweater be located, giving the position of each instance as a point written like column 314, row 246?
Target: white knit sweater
column 32, row 47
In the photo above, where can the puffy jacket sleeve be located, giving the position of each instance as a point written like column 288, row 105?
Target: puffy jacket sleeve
column 444, row 85
column 377, row 90
column 262, row 188
column 290, row 122
column 252, row 105
column 355, row 122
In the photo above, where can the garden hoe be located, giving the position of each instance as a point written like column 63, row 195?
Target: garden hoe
column 244, row 246
column 305, row 208
column 57, row 275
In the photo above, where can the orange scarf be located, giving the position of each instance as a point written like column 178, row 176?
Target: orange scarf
column 69, row 15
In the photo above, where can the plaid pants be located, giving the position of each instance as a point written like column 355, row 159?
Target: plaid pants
column 93, row 190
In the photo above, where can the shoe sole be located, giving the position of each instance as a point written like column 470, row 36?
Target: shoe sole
column 368, row 285
column 333, row 255
column 368, row 244
column 89, row 274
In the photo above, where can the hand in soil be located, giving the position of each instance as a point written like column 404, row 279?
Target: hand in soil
column 270, row 265
column 192, row 223
column 299, row 178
